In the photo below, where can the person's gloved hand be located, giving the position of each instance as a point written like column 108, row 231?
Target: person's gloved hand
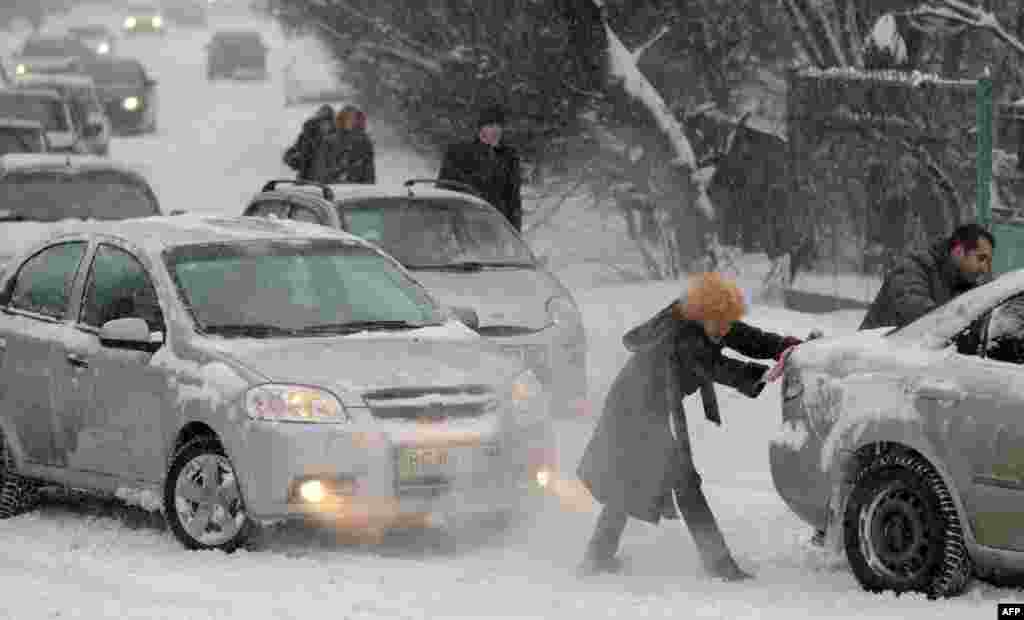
column 788, row 343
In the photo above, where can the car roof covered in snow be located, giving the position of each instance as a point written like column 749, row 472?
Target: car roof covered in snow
column 20, row 123
column 345, row 192
column 74, row 80
column 168, row 231
column 33, row 162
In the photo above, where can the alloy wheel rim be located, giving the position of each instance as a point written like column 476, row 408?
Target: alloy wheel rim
column 207, row 500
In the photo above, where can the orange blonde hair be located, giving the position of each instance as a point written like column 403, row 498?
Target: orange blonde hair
column 350, row 117
column 710, row 296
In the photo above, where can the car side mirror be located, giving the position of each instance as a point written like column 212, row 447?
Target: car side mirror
column 129, row 333
column 467, row 315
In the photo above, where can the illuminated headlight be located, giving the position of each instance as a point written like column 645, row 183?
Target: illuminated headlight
column 21, row 69
column 130, row 22
column 103, row 48
column 158, row 22
column 562, row 311
column 131, row 104
column 294, row 403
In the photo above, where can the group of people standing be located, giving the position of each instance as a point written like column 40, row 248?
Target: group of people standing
column 336, row 148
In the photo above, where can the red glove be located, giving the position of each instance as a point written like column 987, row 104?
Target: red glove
column 788, row 343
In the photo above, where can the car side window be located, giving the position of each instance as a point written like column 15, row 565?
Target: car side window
column 1005, row 339
column 119, row 287
column 305, row 214
column 270, row 208
column 43, row 284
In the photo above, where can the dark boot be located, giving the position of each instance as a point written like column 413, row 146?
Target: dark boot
column 604, row 544
column 714, row 553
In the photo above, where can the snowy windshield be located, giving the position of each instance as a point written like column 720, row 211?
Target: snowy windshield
column 44, row 110
column 268, row 288
column 18, row 140
column 432, row 232
column 54, row 196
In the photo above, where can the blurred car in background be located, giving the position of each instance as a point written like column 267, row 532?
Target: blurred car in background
column 91, row 122
column 186, row 12
column 237, row 54
column 48, row 108
column 127, row 92
column 143, row 19
column 22, row 136
column 38, row 190
column 468, row 255
column 99, row 38
column 30, row 65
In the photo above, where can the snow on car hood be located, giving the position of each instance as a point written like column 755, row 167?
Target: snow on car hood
column 499, row 296
column 367, row 362
column 862, row 351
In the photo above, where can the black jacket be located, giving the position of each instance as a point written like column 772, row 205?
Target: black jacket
column 299, row 157
column 492, row 171
column 344, row 156
column 918, row 284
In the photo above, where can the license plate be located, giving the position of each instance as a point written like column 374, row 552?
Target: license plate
column 418, row 462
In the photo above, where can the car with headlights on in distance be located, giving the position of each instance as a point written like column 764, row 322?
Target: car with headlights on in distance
column 276, row 370
column 99, row 38
column 142, row 19
column 465, row 252
column 905, row 445
column 128, row 92
column 236, row 54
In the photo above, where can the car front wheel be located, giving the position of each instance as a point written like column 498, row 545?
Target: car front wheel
column 17, row 494
column 202, row 499
column 902, row 531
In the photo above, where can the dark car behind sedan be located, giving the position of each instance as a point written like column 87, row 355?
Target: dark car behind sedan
column 128, row 94
column 238, row 54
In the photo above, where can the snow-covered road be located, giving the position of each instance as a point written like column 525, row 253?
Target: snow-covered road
column 217, row 143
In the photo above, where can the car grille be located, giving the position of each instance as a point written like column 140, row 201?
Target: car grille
column 433, row 404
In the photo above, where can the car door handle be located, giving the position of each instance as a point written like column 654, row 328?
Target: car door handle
column 77, row 360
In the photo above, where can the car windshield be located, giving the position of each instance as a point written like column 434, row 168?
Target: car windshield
column 52, row 196
column 296, row 287
column 115, row 72
column 436, row 232
column 46, row 111
column 17, row 140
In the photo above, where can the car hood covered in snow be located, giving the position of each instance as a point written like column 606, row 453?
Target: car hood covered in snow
column 449, row 355
column 500, row 297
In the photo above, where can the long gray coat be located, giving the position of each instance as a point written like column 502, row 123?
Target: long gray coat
column 632, row 460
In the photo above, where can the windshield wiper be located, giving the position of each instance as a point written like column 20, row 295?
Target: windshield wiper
column 255, row 330
column 359, row 326
column 471, row 265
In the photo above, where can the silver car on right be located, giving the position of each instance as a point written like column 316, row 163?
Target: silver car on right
column 907, row 445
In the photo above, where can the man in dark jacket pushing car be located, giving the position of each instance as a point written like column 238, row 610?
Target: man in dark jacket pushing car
column 638, row 462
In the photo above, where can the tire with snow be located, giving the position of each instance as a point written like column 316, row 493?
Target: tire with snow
column 202, row 499
column 17, row 494
column 902, row 530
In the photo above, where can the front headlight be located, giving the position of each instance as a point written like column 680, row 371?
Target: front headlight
column 130, row 22
column 527, row 395
column 21, row 69
column 103, row 48
column 158, row 21
column 131, row 104
column 562, row 311
column 276, row 402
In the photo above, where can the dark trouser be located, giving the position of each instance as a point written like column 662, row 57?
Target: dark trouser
column 687, row 501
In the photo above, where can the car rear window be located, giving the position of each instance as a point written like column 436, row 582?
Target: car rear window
column 44, row 110
column 54, row 196
column 16, row 140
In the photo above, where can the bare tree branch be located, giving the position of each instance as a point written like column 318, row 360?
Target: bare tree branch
column 807, row 38
column 638, row 52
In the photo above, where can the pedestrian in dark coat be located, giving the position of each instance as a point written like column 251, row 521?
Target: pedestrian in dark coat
column 488, row 166
column 638, row 462
column 921, row 282
column 346, row 154
column 299, row 156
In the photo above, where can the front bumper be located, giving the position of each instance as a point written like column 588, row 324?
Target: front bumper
column 559, row 359
column 360, row 471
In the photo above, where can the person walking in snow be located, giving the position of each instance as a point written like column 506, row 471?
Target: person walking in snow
column 638, row 462
column 921, row 282
column 299, row 157
column 346, row 155
column 489, row 166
